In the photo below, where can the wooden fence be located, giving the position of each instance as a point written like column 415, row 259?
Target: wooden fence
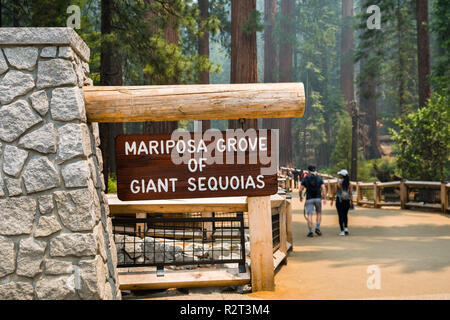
column 405, row 194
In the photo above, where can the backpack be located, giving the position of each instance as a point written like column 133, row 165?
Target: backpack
column 345, row 194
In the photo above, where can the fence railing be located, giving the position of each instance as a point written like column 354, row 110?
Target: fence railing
column 405, row 193
column 160, row 241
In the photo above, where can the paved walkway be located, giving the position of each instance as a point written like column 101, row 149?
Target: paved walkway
column 411, row 249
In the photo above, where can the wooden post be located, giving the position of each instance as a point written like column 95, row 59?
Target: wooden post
column 283, row 231
column 208, row 226
column 376, row 199
column 194, row 102
column 289, row 236
column 444, row 197
column 261, row 254
column 140, row 232
column 358, row 194
column 403, row 194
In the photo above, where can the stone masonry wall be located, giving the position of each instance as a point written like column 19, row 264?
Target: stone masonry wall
column 55, row 232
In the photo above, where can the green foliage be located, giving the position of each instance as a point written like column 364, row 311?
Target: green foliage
column 316, row 64
column 441, row 27
column 112, row 184
column 423, row 141
column 253, row 23
column 341, row 156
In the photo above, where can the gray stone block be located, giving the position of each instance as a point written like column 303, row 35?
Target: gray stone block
column 23, row 58
column 18, row 290
column 76, row 209
column 40, row 175
column 76, row 174
column 73, row 244
column 47, row 225
column 42, row 140
column 58, row 267
column 17, row 216
column 13, row 160
column 73, row 141
column 15, row 119
column 14, row 84
column 30, row 257
column 55, row 72
column 7, row 256
column 56, row 288
column 14, row 186
column 39, row 102
column 48, row 52
column 46, row 204
column 67, row 104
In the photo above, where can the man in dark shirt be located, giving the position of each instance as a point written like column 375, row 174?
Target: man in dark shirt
column 315, row 191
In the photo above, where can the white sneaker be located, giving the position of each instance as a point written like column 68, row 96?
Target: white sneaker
column 342, row 233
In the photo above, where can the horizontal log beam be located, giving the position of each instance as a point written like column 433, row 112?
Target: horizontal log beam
column 194, row 102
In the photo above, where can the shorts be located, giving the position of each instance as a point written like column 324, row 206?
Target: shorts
column 311, row 203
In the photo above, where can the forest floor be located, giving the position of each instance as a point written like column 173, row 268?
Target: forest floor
column 409, row 248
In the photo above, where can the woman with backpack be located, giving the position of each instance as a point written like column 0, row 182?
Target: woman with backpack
column 343, row 196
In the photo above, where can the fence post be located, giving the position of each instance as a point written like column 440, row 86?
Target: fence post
column 289, row 236
column 261, row 253
column 283, row 231
column 376, row 198
column 444, row 197
column 403, row 194
column 358, row 193
column 140, row 226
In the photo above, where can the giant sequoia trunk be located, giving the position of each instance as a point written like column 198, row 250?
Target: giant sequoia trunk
column 203, row 50
column 110, row 75
column 368, row 103
column 171, row 35
column 270, row 52
column 423, row 51
column 243, row 53
column 347, row 72
column 285, row 71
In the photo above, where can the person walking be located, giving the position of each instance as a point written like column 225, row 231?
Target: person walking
column 296, row 173
column 343, row 196
column 315, row 191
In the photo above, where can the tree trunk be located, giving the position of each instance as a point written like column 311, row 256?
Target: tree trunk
column 270, row 52
column 110, row 75
column 285, row 71
column 354, row 157
column 347, row 72
column 243, row 53
column 171, row 35
column 423, row 50
column 401, row 63
column 203, row 50
column 368, row 104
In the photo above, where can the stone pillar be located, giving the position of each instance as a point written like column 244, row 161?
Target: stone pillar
column 55, row 231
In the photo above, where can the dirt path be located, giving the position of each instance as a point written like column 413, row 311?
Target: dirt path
column 411, row 249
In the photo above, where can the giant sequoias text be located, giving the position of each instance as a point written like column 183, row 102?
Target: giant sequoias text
column 196, row 165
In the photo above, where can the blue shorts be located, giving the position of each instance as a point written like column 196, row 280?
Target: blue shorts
column 311, row 203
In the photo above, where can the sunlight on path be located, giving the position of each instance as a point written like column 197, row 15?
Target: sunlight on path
column 411, row 248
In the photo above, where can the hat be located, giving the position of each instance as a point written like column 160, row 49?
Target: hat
column 343, row 172
column 312, row 169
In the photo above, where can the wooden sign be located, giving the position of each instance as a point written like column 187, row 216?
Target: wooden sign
column 187, row 165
